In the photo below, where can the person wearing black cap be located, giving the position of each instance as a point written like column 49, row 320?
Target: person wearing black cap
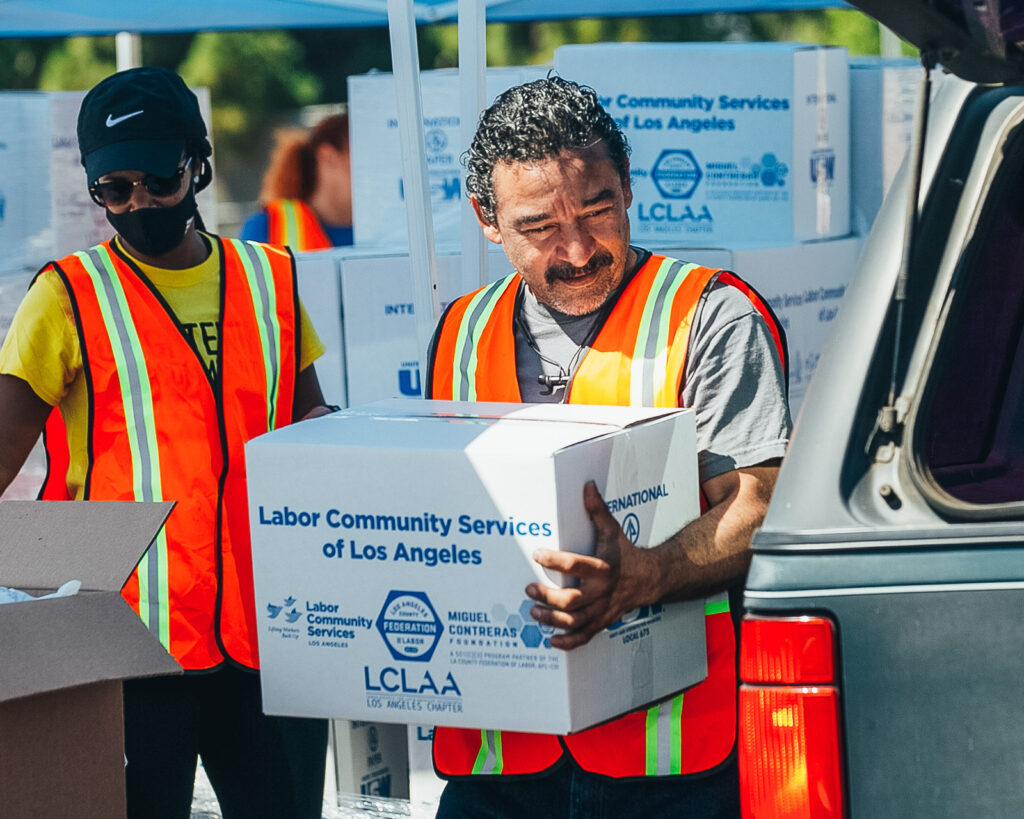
column 150, row 359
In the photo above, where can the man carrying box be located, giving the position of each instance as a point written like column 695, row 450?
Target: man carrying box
column 151, row 359
column 587, row 318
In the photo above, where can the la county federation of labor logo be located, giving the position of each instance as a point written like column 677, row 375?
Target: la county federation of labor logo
column 409, row 625
column 676, row 174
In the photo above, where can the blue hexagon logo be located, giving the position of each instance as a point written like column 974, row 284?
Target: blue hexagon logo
column 533, row 633
column 770, row 172
column 409, row 625
column 676, row 174
column 531, row 636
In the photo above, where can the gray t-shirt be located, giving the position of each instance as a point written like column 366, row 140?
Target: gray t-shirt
column 733, row 378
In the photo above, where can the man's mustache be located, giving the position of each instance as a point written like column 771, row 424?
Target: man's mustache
column 567, row 271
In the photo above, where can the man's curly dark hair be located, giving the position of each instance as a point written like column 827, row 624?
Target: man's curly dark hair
column 535, row 121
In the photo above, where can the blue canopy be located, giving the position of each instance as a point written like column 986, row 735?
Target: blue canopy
column 53, row 18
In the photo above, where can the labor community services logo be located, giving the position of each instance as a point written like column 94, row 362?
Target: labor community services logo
column 409, row 626
column 286, row 608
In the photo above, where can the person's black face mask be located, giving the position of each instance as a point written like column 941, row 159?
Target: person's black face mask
column 155, row 231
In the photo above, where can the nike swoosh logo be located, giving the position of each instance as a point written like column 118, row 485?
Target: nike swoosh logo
column 112, row 120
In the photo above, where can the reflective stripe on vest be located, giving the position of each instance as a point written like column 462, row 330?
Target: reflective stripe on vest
column 475, row 319
column 638, row 357
column 663, row 731
column 292, row 222
column 655, row 311
column 261, row 286
column 140, row 428
column 159, row 429
column 489, row 760
column 650, row 358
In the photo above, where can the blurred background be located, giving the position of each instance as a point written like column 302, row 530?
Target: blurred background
column 263, row 80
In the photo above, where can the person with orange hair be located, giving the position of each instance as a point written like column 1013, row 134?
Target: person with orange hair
column 307, row 190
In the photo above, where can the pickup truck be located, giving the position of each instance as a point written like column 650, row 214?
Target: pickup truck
column 882, row 650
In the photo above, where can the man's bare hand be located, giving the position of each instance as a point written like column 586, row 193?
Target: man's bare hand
column 616, row 579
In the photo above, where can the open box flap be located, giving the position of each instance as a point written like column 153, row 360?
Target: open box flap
column 49, row 645
column 46, row 543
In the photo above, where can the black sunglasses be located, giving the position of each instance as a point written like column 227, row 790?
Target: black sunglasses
column 118, row 191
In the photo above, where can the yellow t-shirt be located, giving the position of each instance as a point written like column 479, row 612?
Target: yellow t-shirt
column 42, row 344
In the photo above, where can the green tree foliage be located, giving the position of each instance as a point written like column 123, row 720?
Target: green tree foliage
column 78, row 63
column 254, row 77
column 535, row 42
column 841, row 27
column 21, row 61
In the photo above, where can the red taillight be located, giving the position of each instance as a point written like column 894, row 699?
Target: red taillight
column 790, row 766
column 787, row 650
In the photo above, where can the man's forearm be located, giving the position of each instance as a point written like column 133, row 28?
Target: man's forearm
column 712, row 553
column 708, row 555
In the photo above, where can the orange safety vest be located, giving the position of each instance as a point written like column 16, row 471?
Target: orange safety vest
column 159, row 430
column 292, row 222
column 638, row 358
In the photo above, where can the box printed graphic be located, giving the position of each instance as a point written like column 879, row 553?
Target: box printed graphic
column 730, row 142
column 393, row 543
column 378, row 203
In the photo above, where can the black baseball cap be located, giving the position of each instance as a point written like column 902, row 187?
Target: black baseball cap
column 138, row 120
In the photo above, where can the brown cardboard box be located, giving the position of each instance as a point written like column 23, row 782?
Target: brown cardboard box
column 62, row 660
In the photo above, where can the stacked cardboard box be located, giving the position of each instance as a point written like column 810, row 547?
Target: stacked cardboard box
column 883, row 99
column 731, row 142
column 803, row 284
column 45, row 208
column 378, row 204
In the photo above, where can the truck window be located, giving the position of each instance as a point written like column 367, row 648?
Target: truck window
column 970, row 424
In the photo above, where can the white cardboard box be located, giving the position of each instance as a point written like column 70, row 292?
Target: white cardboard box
column 319, row 286
column 730, row 142
column 804, row 285
column 392, row 545
column 359, row 302
column 883, row 99
column 425, row 785
column 371, row 758
column 24, row 179
column 381, row 349
column 378, row 206
column 45, row 208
